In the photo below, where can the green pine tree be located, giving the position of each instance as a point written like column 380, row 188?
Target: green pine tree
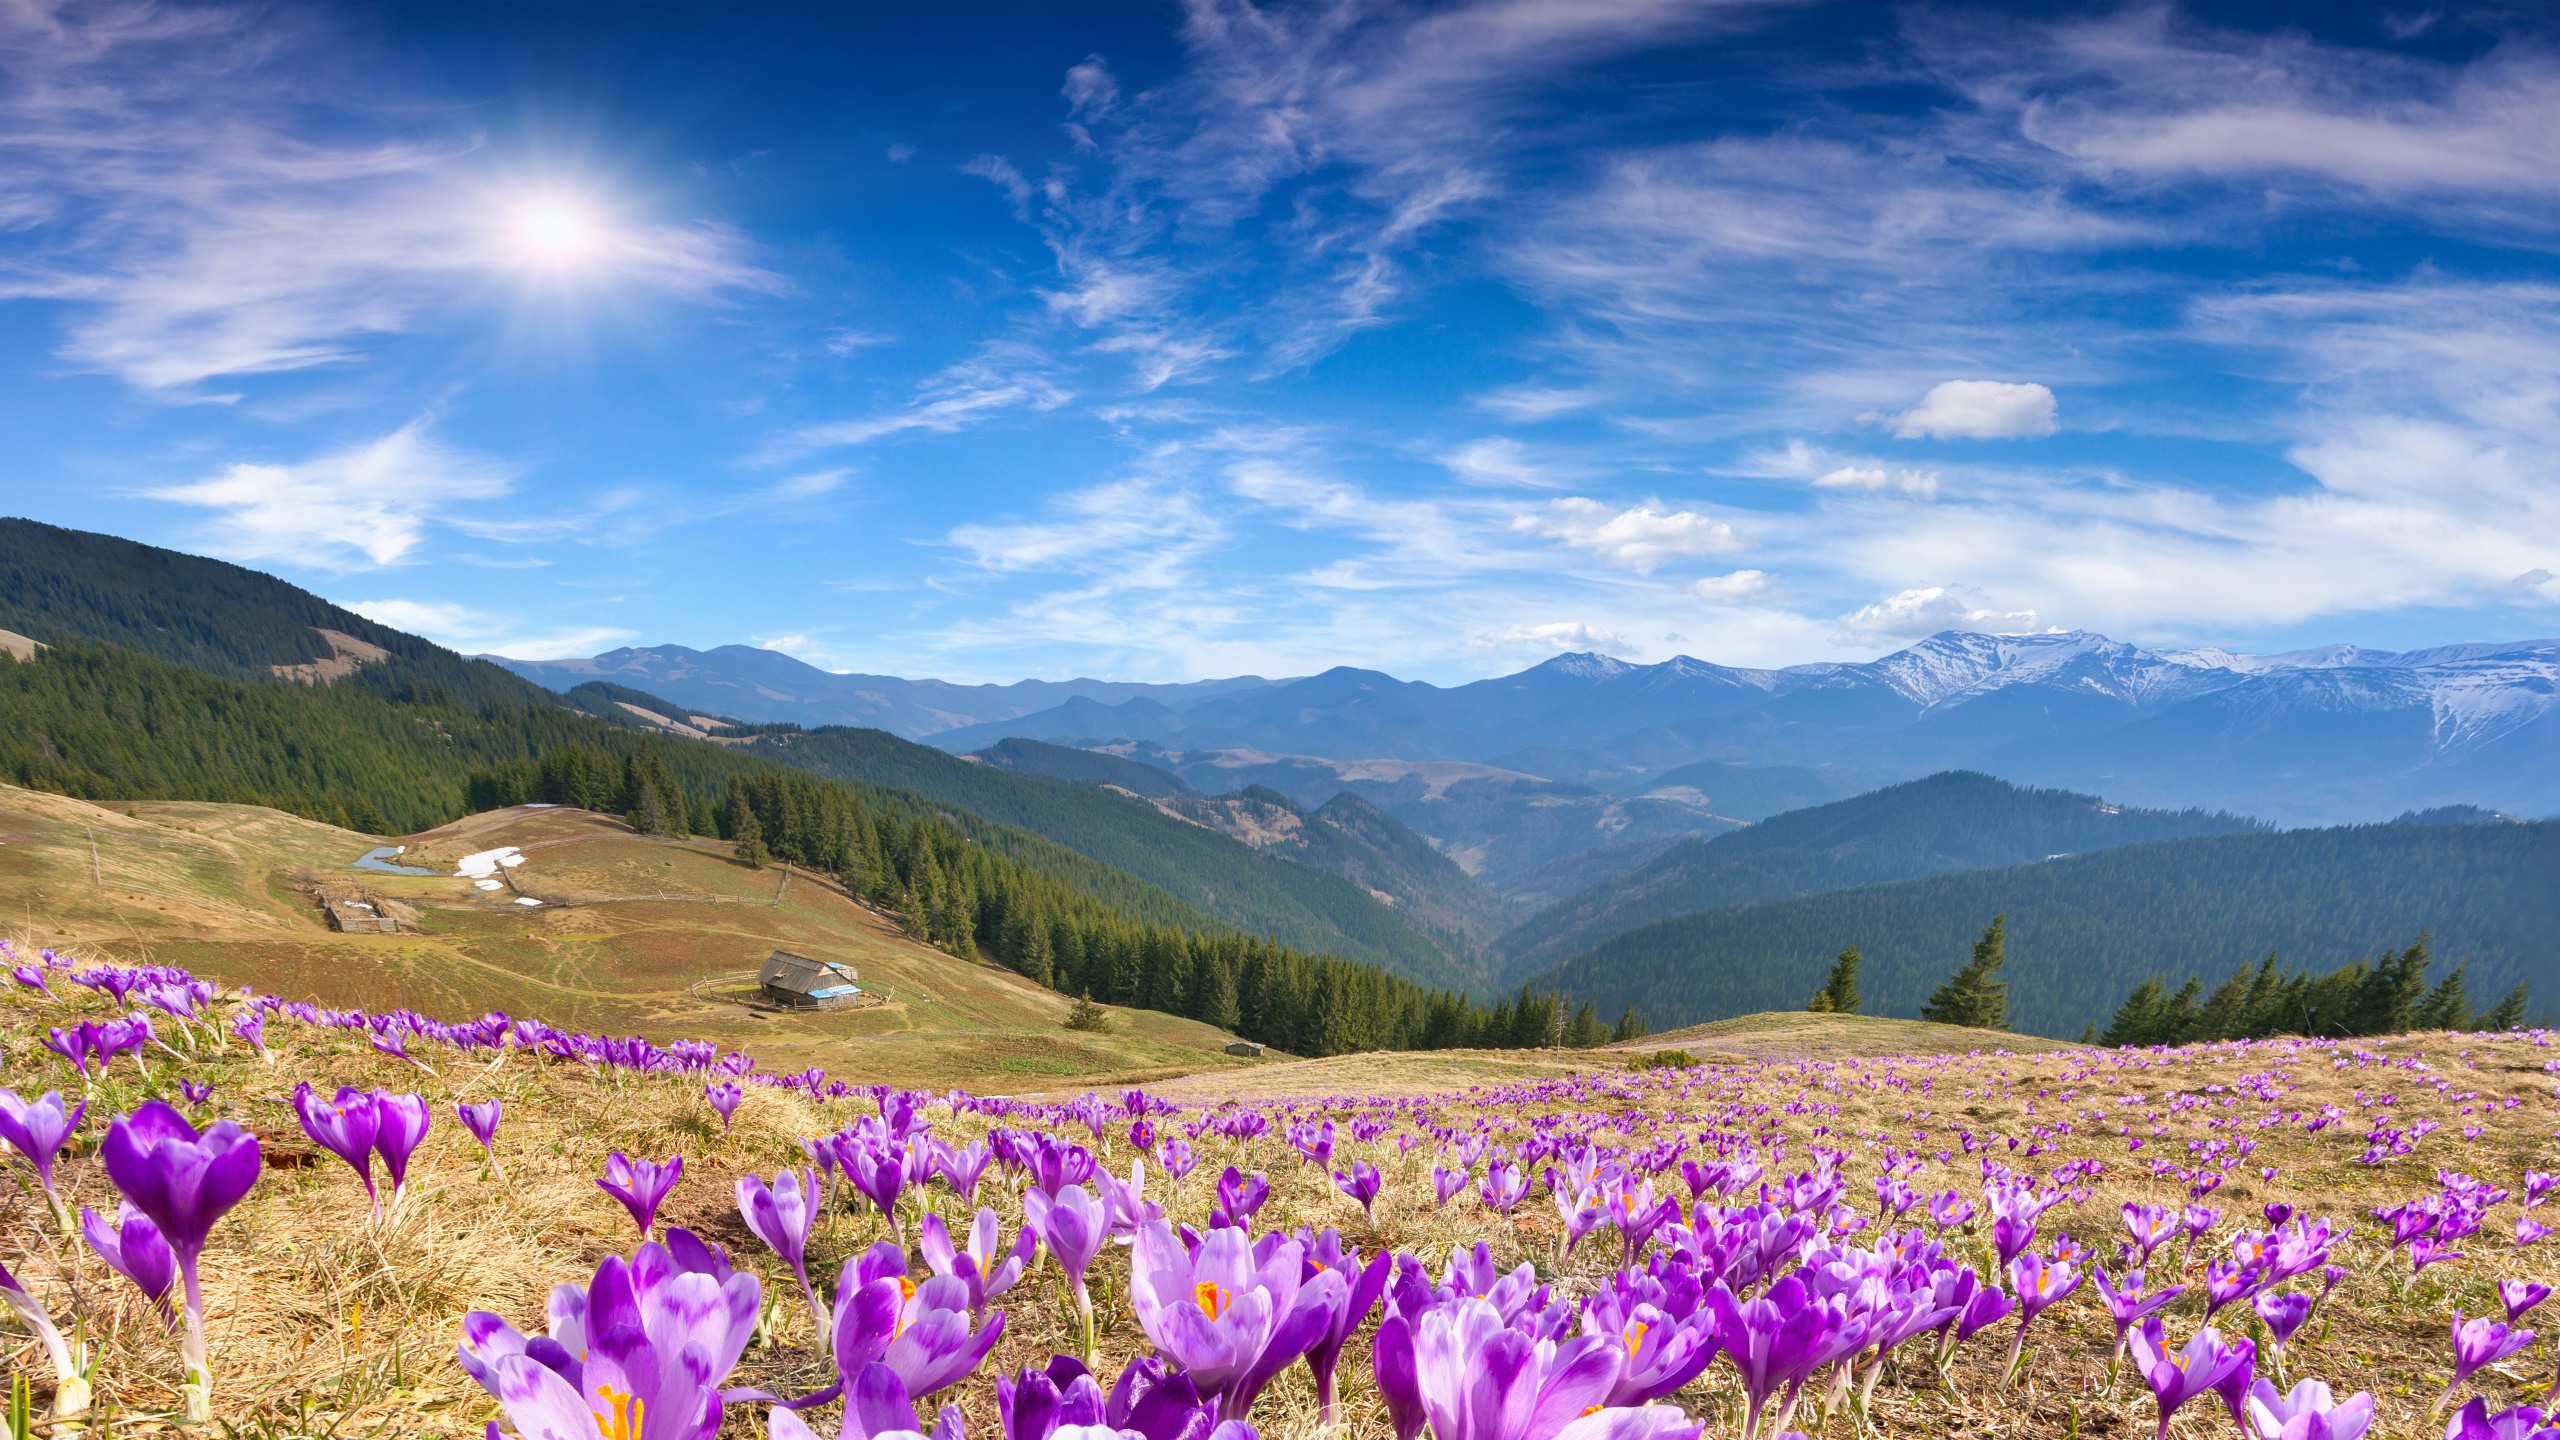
column 745, row 829
column 1839, row 994
column 1975, row 995
column 2446, row 1007
column 2507, row 1014
column 1631, row 1026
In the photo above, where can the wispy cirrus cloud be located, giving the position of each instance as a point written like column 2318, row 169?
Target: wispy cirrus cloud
column 167, row 180
column 475, row 631
column 354, row 508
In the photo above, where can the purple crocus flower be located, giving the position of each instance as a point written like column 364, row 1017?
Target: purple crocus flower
column 2130, row 1307
column 871, row 1297
column 38, row 1130
column 2178, row 1376
column 252, row 1027
column 782, row 1217
column 133, row 1249
column 654, row 1343
column 184, row 1181
column 481, row 1119
column 33, row 979
column 1232, row 1318
column 2283, row 1311
column 1361, row 1183
column 1505, row 1185
column 1477, row 1379
column 2520, row 1296
column 724, row 1096
column 2037, row 1283
column 1059, row 1395
column 402, row 1127
column 1073, row 1225
column 72, row 1045
column 1239, row 1196
column 2477, row 1343
column 2307, row 1412
column 641, row 1186
column 1447, row 1182
column 345, row 1127
column 1175, row 1155
column 962, row 1167
column 879, row 1174
column 1779, row 1340
column 1636, row 1216
column 1667, row 1332
column 70, row 1384
column 2226, row 1281
column 987, row 1272
column 877, row 1406
column 933, row 1346
column 1362, row 1286
column 2524, row 1422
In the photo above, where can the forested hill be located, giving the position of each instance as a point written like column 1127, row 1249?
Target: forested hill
column 2083, row 931
column 60, row 585
column 1260, row 894
column 1951, row 821
column 1085, row 767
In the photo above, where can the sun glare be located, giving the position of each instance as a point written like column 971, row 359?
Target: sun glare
column 555, row 231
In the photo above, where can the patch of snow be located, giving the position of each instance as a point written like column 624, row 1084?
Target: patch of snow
column 481, row 864
column 486, row 884
column 527, row 900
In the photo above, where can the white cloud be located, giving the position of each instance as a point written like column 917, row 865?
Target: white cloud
column 1501, row 461
column 1918, row 484
column 1742, row 587
column 1639, row 538
column 1559, row 637
column 174, row 176
column 810, row 486
column 1004, row 375
column 900, row 153
column 481, row 632
column 1978, row 410
column 362, row 506
column 1915, row 613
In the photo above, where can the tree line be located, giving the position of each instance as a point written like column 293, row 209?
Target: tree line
column 2386, row 995
column 949, row 889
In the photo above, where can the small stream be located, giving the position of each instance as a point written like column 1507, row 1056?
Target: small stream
column 377, row 859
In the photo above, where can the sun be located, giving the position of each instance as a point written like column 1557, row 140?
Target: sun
column 556, row 232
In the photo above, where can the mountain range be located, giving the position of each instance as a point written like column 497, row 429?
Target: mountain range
column 2332, row 735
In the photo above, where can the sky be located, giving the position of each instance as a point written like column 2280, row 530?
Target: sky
column 1169, row 341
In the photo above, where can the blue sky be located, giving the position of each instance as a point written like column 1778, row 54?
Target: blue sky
column 1169, row 341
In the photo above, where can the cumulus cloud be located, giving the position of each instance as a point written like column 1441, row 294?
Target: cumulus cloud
column 1559, row 637
column 484, row 632
column 1742, row 587
column 1915, row 613
column 1639, row 538
column 350, row 509
column 1978, row 410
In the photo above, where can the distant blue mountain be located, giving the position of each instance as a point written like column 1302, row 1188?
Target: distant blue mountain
column 2313, row 737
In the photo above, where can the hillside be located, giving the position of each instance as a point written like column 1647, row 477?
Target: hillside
column 1363, row 844
column 635, row 935
column 1083, row 767
column 1345, row 836
column 60, row 586
column 2085, row 929
column 1528, row 840
column 1261, row 894
column 1934, row 826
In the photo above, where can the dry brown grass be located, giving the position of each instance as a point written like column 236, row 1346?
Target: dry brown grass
column 323, row 1322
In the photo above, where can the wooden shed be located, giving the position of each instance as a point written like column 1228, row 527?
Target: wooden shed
column 1246, row 1048
column 801, row 983
column 355, row 917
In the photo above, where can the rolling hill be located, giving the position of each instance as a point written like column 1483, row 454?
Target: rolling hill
column 1261, row 894
column 1958, row 820
column 2084, row 929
